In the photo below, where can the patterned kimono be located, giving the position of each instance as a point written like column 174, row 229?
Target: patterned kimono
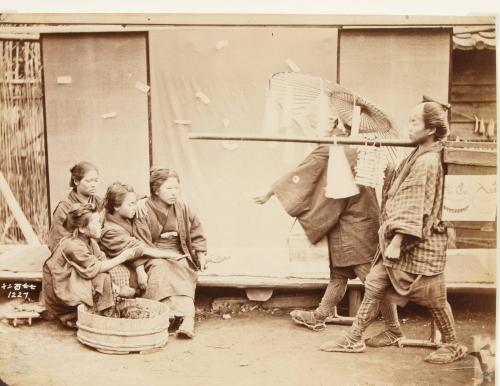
column 57, row 230
column 71, row 277
column 171, row 277
column 412, row 206
column 350, row 224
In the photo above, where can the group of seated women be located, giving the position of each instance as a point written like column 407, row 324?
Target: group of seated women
column 105, row 250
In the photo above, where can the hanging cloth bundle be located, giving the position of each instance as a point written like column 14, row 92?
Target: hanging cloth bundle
column 490, row 130
column 476, row 125
column 482, row 129
column 339, row 179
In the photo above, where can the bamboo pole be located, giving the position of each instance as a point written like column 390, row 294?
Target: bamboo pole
column 300, row 139
column 331, row 140
column 21, row 219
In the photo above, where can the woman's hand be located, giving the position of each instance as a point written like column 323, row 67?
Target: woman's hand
column 167, row 235
column 393, row 251
column 262, row 197
column 128, row 254
column 202, row 258
column 172, row 255
column 142, row 277
column 141, row 211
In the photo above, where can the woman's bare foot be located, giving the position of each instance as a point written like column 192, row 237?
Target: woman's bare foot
column 69, row 320
column 126, row 292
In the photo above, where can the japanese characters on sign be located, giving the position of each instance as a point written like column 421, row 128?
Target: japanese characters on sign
column 470, row 198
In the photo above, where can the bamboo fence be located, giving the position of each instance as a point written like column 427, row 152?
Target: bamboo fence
column 22, row 147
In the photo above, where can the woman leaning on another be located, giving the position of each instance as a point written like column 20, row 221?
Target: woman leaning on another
column 120, row 205
column 78, row 271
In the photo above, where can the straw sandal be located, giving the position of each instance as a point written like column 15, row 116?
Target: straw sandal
column 447, row 353
column 384, row 339
column 344, row 344
column 307, row 319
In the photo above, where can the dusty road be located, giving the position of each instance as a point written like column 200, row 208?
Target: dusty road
column 254, row 348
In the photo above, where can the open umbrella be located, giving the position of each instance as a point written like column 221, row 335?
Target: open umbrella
column 373, row 119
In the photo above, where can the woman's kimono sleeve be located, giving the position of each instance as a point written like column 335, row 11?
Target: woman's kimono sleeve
column 142, row 233
column 79, row 257
column 413, row 202
column 196, row 233
column 115, row 241
column 57, row 230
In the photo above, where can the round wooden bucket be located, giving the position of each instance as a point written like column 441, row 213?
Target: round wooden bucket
column 120, row 335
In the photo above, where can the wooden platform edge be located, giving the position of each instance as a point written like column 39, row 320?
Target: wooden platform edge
column 244, row 282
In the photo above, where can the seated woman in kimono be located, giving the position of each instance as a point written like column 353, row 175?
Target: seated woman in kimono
column 78, row 271
column 83, row 183
column 120, row 205
column 172, row 226
column 412, row 240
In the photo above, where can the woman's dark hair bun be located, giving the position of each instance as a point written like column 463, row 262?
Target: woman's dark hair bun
column 78, row 216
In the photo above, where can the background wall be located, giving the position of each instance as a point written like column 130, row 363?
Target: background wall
column 104, row 70
column 395, row 68
column 473, row 90
column 217, row 181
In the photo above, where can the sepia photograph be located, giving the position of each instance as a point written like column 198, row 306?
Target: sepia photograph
column 248, row 199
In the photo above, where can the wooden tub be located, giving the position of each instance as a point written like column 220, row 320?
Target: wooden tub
column 121, row 335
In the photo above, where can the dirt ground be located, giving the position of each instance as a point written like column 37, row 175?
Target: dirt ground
column 252, row 348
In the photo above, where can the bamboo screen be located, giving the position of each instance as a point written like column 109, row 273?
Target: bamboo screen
column 22, row 148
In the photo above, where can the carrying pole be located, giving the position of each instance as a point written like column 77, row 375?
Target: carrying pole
column 300, row 139
column 392, row 142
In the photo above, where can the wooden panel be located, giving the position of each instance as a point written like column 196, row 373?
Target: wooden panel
column 470, row 170
column 470, row 157
column 394, row 69
column 474, row 67
column 104, row 70
column 464, row 131
column 473, row 93
column 474, row 238
column 472, row 234
column 484, row 111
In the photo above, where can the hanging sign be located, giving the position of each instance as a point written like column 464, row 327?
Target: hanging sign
column 469, row 198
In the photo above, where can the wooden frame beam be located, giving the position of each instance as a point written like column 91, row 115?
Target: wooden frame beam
column 104, row 22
